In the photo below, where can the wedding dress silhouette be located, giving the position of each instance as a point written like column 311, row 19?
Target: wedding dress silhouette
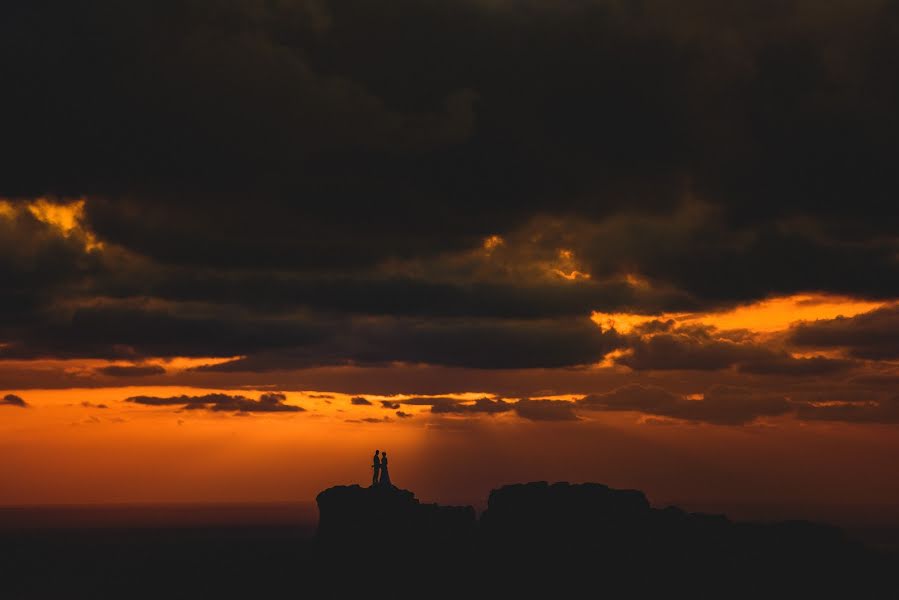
column 385, row 474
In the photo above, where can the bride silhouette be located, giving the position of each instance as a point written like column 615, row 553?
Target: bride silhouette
column 385, row 474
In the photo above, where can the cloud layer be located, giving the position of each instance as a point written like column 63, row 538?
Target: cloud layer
column 273, row 187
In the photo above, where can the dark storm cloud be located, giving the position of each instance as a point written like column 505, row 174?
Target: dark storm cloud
column 131, row 370
column 406, row 295
column 658, row 345
column 116, row 331
column 484, row 344
column 678, row 351
column 501, row 344
column 360, row 401
column 195, row 106
column 37, row 265
column 389, row 404
column 720, row 405
column 873, row 335
column 703, row 253
column 129, row 329
column 13, row 400
column 545, row 410
column 270, row 402
column 608, row 105
column 246, row 161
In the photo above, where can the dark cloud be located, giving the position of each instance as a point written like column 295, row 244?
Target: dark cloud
column 873, row 335
column 369, row 420
column 131, row 370
column 697, row 250
column 545, row 410
column 270, row 342
column 389, row 404
column 360, row 401
column 404, row 415
column 269, row 402
column 483, row 344
column 680, row 351
column 126, row 331
column 37, row 265
column 785, row 364
column 87, row 404
column 13, row 400
column 658, row 345
column 764, row 121
column 385, row 294
column 720, row 405
column 877, row 380
column 272, row 180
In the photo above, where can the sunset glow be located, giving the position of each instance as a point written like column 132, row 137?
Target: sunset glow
column 244, row 244
column 767, row 316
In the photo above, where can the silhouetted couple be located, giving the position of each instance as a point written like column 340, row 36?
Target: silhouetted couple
column 380, row 475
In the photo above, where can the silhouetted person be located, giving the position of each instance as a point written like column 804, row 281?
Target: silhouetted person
column 376, row 469
column 385, row 474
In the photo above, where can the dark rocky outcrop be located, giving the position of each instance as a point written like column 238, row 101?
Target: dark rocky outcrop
column 567, row 535
column 529, row 516
column 362, row 518
column 522, row 512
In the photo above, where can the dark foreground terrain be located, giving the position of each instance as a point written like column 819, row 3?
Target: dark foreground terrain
column 539, row 538
column 154, row 552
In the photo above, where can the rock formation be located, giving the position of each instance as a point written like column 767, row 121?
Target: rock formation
column 569, row 535
column 383, row 516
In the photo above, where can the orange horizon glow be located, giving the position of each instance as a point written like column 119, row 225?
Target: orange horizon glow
column 65, row 448
column 61, row 450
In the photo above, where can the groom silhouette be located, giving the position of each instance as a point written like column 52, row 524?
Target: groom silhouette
column 376, row 468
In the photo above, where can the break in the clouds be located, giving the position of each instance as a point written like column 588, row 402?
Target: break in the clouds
column 273, row 188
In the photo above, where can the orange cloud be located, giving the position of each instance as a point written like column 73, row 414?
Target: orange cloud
column 766, row 316
column 67, row 217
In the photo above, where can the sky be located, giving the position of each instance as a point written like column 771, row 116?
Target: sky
column 650, row 244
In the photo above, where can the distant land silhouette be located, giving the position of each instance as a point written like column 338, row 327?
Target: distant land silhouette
column 555, row 540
